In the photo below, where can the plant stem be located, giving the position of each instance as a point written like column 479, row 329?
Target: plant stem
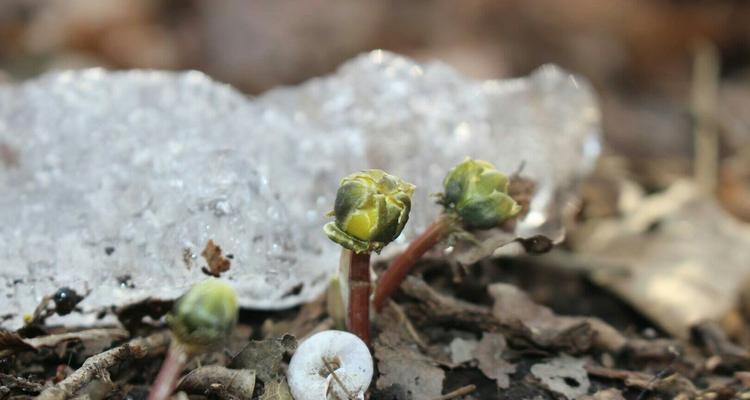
column 403, row 263
column 358, row 317
column 170, row 370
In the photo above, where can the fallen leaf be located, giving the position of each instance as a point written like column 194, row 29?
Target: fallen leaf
column 93, row 340
column 462, row 350
column 265, row 356
column 515, row 316
column 403, row 366
column 489, row 354
column 11, row 342
column 564, row 375
column 216, row 262
column 438, row 308
column 661, row 256
column 276, row 390
column 513, row 307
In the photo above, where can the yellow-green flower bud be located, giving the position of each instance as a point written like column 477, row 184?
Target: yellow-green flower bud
column 478, row 192
column 205, row 315
column 371, row 210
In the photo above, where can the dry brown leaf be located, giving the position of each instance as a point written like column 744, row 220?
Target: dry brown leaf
column 439, row 308
column 94, row 340
column 401, row 365
column 462, row 350
column 676, row 256
column 217, row 263
column 515, row 316
column 513, row 307
column 11, row 342
column 564, row 375
column 276, row 390
column 265, row 356
column 489, row 355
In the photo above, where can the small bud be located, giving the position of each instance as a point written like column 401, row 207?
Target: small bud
column 205, row 315
column 371, row 210
column 478, row 192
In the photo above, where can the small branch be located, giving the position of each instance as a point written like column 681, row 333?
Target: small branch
column 83, row 336
column 170, row 370
column 358, row 319
column 331, row 371
column 458, row 392
column 92, row 367
column 403, row 263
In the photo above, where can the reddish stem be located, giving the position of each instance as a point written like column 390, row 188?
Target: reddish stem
column 358, row 319
column 170, row 370
column 403, row 263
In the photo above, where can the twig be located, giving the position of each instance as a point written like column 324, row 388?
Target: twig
column 82, row 336
column 458, row 392
column 349, row 395
column 636, row 379
column 92, row 367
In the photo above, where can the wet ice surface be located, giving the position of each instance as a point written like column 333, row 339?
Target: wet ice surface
column 116, row 180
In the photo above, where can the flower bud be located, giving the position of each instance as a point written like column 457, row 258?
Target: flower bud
column 478, row 192
column 205, row 315
column 371, row 210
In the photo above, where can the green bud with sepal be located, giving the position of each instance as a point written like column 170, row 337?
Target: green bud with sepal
column 371, row 209
column 478, row 193
column 204, row 316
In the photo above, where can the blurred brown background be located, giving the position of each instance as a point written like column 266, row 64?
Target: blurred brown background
column 638, row 54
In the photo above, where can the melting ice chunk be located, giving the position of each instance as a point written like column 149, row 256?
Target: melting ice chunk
column 113, row 182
